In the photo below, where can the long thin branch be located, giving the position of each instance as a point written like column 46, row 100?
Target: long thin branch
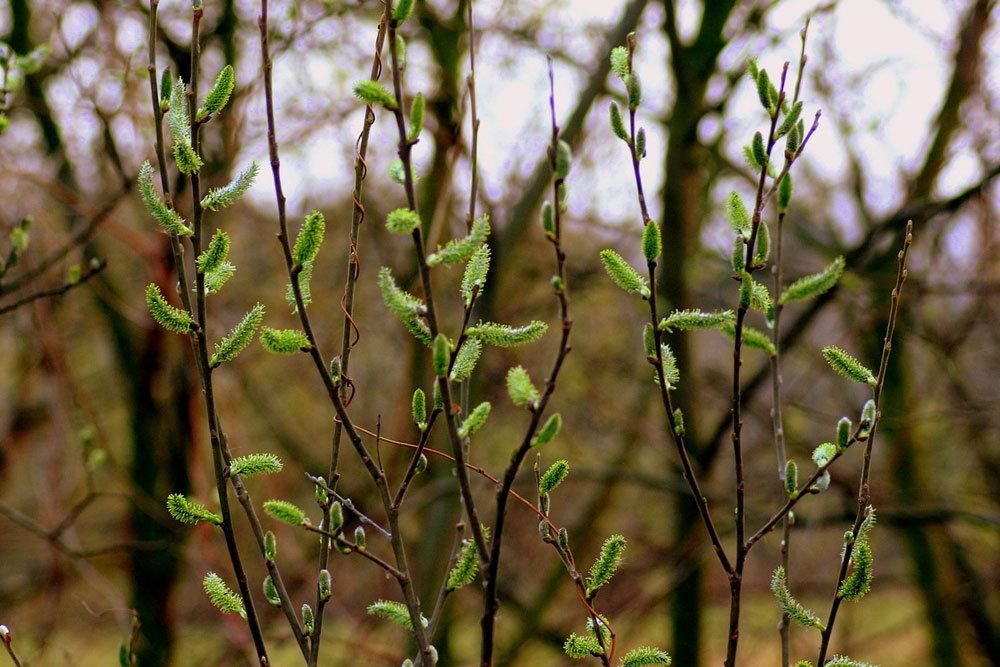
column 55, row 291
column 864, row 492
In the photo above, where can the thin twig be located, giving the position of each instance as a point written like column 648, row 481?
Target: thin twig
column 55, row 291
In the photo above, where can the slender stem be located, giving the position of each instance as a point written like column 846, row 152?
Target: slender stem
column 491, row 600
column 864, row 491
column 10, row 649
column 474, row 155
column 55, row 291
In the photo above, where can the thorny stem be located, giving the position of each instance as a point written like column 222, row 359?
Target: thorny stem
column 491, row 601
column 350, row 328
column 405, row 147
column 332, row 387
column 864, row 492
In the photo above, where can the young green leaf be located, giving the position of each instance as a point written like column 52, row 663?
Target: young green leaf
column 682, row 320
column 520, row 388
column 286, row 512
column 652, row 245
column 789, row 605
column 646, row 655
column 255, row 464
column 402, row 11
column 217, row 98
column 848, row 366
column 813, row 285
column 475, row 273
column 623, row 274
column 189, row 511
column 461, row 250
column 167, row 316
column 553, row 477
column 228, row 195
column 271, row 592
column 239, row 337
column 310, row 238
column 465, row 360
column 168, row 218
column 221, row 596
column 607, row 563
column 284, row 341
column 475, row 420
column 504, row 335
column 373, row 93
column 548, row 430
column 737, row 214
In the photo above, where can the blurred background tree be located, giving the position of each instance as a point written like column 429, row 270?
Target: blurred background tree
column 101, row 418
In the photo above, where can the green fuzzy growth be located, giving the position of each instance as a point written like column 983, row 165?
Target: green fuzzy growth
column 395, row 612
column 548, row 221
column 271, row 592
column 751, row 158
column 397, row 174
column 189, row 511
column 168, row 317
column 308, row 620
column 640, row 143
column 336, row 517
column 823, row 454
column 504, row 335
column 323, row 584
column 619, row 63
column 843, row 433
column 564, row 159
column 848, row 366
column 758, row 151
column 373, row 93
column 634, row 91
column 813, row 285
column 466, row 565
column 215, row 254
column 255, row 464
column 859, row 582
column 230, row 194
column 442, row 354
column 646, row 655
column 403, row 305
column 803, row 663
column 402, row 11
column 401, row 53
column 360, row 539
column 752, row 69
column 784, row 193
column 754, row 294
column 475, row 274
column 578, row 647
column 475, row 420
column 623, row 274
column 617, row 124
column 419, row 409
column 286, row 512
column 791, row 478
column 763, row 246
column 270, row 546
column 868, row 416
column 284, row 341
column 844, row 661
column 215, row 279
column 217, row 98
column 607, row 563
column 794, row 139
column 416, row 118
column 402, row 221
column 305, row 287
column 789, row 606
column 553, row 477
column 221, row 596
column 764, row 91
column 461, row 250
column 671, row 375
column 649, row 342
column 753, row 338
column 737, row 214
column 185, row 156
column 168, row 218
column 166, row 84
column 790, row 120
column 682, row 320
column 678, row 422
column 548, row 431
column 465, row 360
column 652, row 244
column 739, row 258
column 310, row 238
column 520, row 387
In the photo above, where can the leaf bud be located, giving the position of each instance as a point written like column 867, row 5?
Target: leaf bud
column 323, row 583
column 270, row 546
column 359, row 538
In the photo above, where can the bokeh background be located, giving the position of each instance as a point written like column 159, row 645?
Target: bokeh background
column 101, row 417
